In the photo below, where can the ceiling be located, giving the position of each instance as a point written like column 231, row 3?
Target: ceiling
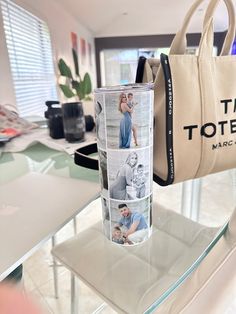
column 111, row 18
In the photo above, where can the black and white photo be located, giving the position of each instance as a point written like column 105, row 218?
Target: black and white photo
column 103, row 171
column 129, row 174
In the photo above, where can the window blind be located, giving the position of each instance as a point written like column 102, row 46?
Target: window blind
column 30, row 54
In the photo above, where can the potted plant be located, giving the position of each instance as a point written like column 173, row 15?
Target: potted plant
column 74, row 86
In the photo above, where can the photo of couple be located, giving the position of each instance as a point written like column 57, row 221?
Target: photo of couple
column 129, row 174
column 130, row 222
column 128, row 120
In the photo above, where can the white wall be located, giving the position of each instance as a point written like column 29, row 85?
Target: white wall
column 60, row 24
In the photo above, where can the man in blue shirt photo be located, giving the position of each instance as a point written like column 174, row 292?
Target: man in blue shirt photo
column 137, row 228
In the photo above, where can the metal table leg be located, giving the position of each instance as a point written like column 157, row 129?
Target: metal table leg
column 74, row 295
column 191, row 198
column 55, row 270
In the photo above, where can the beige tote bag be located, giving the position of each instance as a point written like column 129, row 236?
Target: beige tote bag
column 195, row 104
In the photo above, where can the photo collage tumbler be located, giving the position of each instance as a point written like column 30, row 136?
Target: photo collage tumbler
column 124, row 125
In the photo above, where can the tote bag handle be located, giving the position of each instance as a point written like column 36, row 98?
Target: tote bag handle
column 226, row 49
column 206, row 42
column 178, row 45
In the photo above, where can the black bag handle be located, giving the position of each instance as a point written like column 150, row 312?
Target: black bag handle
column 140, row 69
column 169, row 116
column 169, row 123
column 82, row 159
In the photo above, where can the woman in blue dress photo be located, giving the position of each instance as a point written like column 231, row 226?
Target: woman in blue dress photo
column 125, row 122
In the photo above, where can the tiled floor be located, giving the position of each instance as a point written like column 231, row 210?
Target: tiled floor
column 38, row 274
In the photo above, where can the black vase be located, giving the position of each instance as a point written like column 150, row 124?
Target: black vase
column 73, row 121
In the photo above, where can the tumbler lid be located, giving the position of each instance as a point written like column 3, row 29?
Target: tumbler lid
column 125, row 88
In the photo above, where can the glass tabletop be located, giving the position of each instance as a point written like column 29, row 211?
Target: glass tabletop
column 207, row 203
column 198, row 207
column 188, row 221
column 36, row 183
column 41, row 159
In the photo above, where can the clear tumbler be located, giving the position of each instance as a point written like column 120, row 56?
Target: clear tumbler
column 124, row 125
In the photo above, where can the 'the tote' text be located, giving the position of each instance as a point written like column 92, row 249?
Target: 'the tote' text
column 210, row 129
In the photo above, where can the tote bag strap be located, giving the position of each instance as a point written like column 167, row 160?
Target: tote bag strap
column 227, row 45
column 206, row 42
column 178, row 45
column 140, row 70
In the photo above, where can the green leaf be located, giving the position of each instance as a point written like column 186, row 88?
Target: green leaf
column 66, row 91
column 87, row 84
column 76, row 62
column 78, row 86
column 64, row 69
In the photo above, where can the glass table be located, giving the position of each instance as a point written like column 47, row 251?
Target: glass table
column 188, row 221
column 41, row 189
column 182, row 212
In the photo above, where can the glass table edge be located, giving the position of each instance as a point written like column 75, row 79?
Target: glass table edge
column 181, row 280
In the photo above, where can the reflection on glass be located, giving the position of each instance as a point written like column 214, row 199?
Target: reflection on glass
column 118, row 66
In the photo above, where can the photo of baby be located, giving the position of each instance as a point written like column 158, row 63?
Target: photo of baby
column 139, row 181
column 119, row 237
